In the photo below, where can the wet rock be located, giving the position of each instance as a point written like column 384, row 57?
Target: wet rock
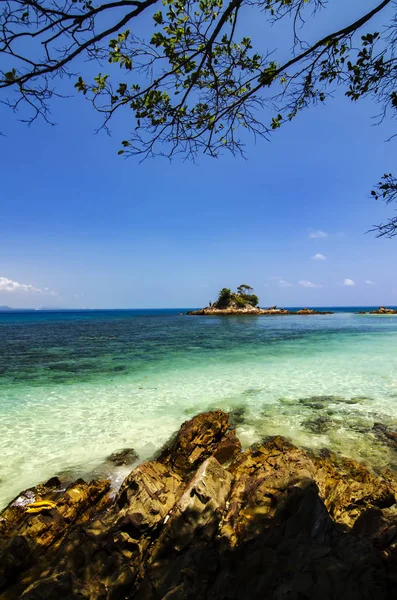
column 102, row 559
column 197, row 440
column 237, row 415
column 126, row 457
column 228, row 448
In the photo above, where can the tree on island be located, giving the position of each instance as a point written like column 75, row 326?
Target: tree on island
column 244, row 288
column 196, row 82
column 239, row 299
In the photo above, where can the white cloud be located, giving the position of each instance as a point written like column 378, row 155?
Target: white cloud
column 317, row 235
column 7, row 285
column 309, row 284
column 369, row 282
column 284, row 284
column 348, row 282
column 319, row 256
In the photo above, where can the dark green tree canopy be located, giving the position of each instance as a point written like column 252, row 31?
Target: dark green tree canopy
column 237, row 299
column 196, row 82
column 244, row 289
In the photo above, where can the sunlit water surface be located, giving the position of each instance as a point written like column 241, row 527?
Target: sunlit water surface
column 75, row 387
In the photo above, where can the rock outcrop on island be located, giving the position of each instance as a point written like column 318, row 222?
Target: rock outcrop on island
column 382, row 310
column 241, row 303
column 252, row 311
column 205, row 520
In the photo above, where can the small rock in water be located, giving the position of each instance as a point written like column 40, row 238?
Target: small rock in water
column 252, row 391
column 385, row 434
column 319, row 425
column 127, row 457
column 237, row 415
column 287, row 401
column 318, row 402
column 358, row 426
column 356, row 400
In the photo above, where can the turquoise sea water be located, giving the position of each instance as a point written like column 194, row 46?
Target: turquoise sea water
column 76, row 386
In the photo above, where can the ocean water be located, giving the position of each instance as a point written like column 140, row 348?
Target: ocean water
column 76, row 386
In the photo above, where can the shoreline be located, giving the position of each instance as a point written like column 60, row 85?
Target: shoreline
column 203, row 496
column 256, row 312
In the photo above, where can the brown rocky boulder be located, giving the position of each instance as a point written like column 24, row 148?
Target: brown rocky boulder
column 205, row 435
column 382, row 310
column 27, row 535
column 188, row 536
column 349, row 488
column 102, row 558
column 261, row 476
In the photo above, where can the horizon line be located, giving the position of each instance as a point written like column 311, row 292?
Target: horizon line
column 54, row 309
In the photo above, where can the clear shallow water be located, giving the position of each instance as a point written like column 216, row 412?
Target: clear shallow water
column 77, row 386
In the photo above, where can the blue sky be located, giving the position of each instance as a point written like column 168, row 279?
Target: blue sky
column 85, row 228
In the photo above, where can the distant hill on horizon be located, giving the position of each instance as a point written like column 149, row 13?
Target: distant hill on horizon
column 10, row 308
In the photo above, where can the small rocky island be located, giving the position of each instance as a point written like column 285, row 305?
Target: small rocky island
column 206, row 520
column 244, row 302
column 382, row 310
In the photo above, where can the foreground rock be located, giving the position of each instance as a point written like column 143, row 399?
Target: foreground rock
column 206, row 520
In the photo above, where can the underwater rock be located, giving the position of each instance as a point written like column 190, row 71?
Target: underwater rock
column 385, row 434
column 318, row 425
column 358, row 399
column 319, row 402
column 237, row 415
column 126, row 457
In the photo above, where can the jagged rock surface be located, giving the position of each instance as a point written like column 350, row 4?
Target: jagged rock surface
column 272, row 522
